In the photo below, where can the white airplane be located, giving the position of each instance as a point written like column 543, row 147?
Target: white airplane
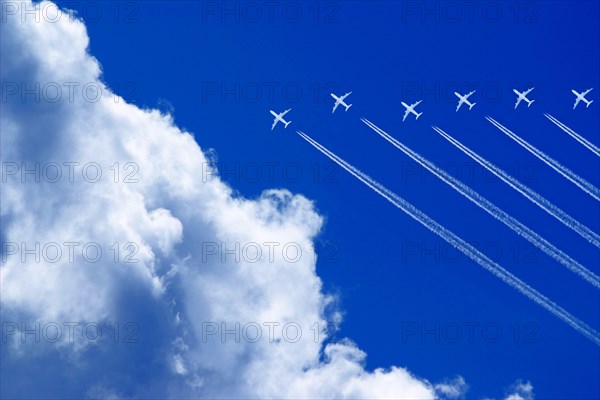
column 279, row 118
column 581, row 97
column 463, row 100
column 411, row 109
column 523, row 96
column 340, row 100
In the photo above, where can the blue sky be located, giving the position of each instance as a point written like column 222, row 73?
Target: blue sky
column 219, row 72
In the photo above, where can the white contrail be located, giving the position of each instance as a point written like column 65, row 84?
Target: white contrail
column 461, row 245
column 558, row 167
column 493, row 210
column 591, row 146
column 526, row 191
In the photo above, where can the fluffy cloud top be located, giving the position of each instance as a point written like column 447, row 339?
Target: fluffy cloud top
column 520, row 391
column 166, row 277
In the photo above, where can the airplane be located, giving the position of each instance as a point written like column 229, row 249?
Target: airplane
column 581, row 97
column 411, row 109
column 523, row 96
column 463, row 100
column 279, row 118
column 340, row 100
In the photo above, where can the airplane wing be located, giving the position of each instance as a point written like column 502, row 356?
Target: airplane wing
column 460, row 103
column 518, row 101
column 586, row 92
column 413, row 105
column 337, row 103
column 346, row 95
column 576, row 102
column 470, row 93
column 527, row 91
column 285, row 112
column 274, row 123
column 406, row 114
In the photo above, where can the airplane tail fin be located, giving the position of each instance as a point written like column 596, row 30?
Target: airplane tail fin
column 530, row 103
column 287, row 123
column 418, row 115
column 588, row 103
column 472, row 105
column 348, row 107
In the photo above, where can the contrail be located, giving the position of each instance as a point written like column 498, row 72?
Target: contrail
column 493, row 210
column 558, row 167
column 591, row 146
column 461, row 245
column 526, row 191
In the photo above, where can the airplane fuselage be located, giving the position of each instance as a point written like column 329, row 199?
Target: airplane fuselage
column 279, row 118
column 523, row 97
column 581, row 97
column 464, row 100
column 410, row 109
column 340, row 101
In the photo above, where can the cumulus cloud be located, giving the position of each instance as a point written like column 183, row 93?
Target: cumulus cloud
column 452, row 389
column 160, row 280
column 520, row 390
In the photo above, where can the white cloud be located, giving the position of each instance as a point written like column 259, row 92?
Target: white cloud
column 177, row 292
column 520, row 390
column 452, row 389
